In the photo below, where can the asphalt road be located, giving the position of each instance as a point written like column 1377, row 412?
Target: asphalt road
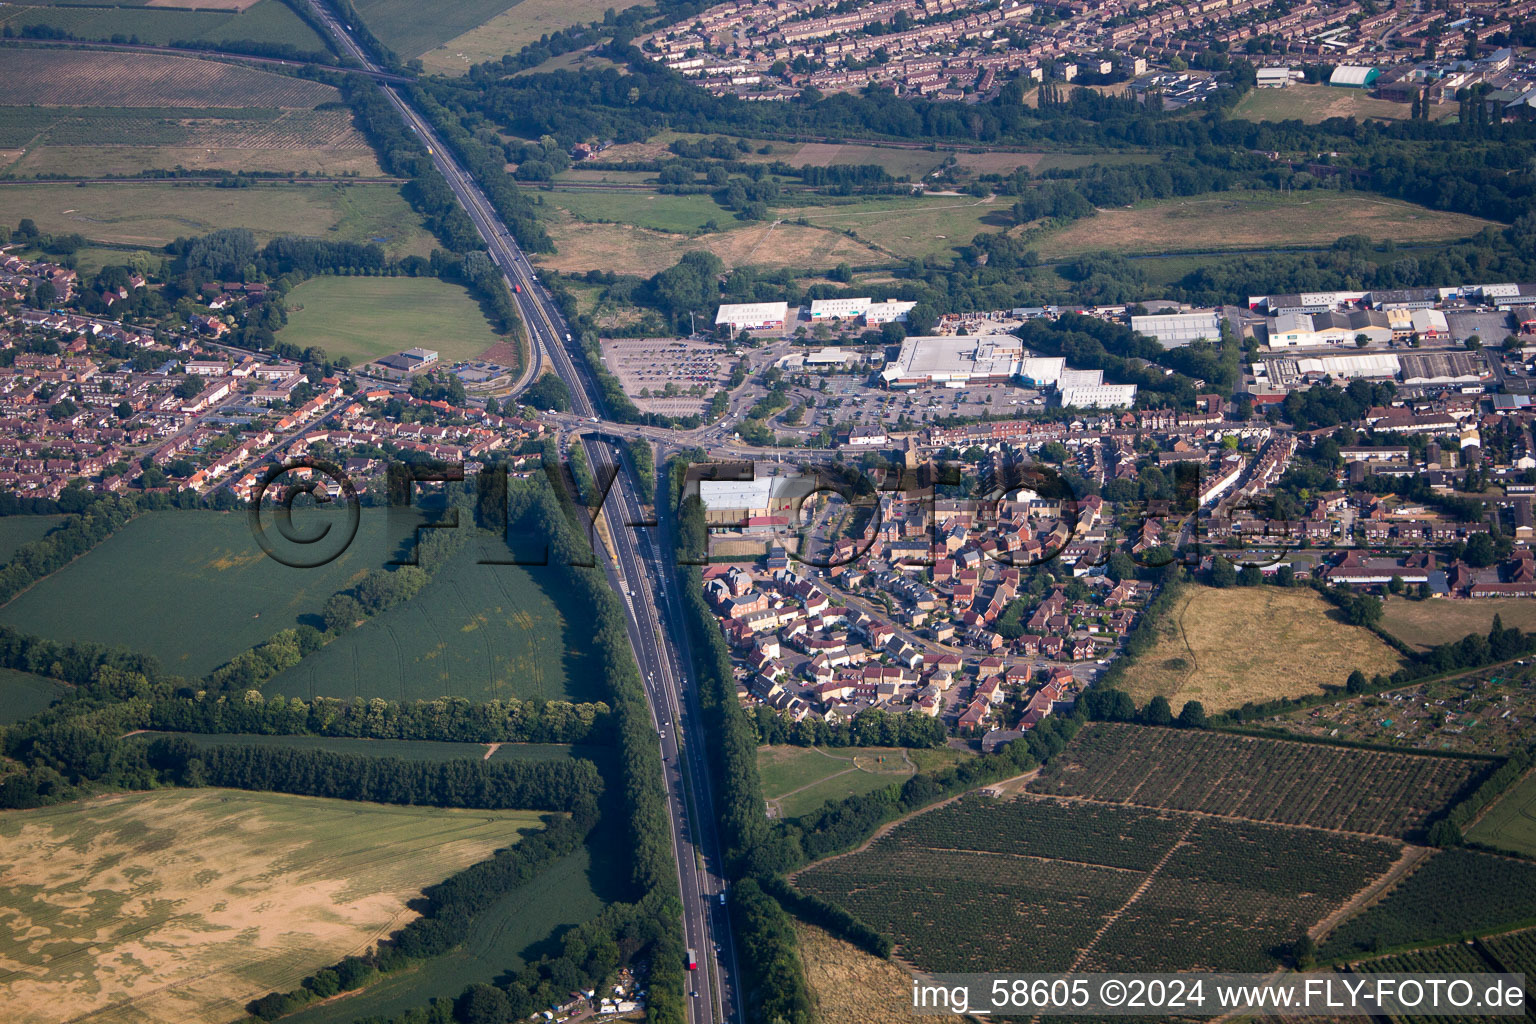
column 641, row 572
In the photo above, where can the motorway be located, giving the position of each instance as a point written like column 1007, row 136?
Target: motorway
column 639, row 571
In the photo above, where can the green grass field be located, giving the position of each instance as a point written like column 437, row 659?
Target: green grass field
column 797, row 780
column 152, row 215
column 401, row 27
column 368, row 317
column 507, row 934
column 653, row 210
column 192, row 588
column 909, row 227
column 269, row 21
column 23, row 694
column 18, row 530
column 185, row 904
column 1230, row 221
column 410, row 750
column 476, row 631
column 1317, row 103
column 510, row 31
column 1510, row 824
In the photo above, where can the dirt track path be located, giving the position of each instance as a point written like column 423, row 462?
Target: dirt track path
column 1412, row 857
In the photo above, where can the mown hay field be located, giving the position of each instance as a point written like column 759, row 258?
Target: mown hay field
column 100, row 78
column 150, row 215
column 630, row 250
column 1424, row 624
column 191, row 588
column 185, row 904
column 1254, row 220
column 364, row 318
column 476, row 631
column 1227, row 647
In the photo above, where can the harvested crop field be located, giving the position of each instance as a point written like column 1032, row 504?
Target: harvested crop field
column 1222, row 647
column 1424, row 624
column 1255, row 220
column 150, row 215
column 92, row 78
column 184, row 905
column 629, row 250
column 77, row 142
column 848, row 985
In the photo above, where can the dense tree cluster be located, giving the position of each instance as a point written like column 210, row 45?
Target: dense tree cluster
column 78, row 534
column 447, row 719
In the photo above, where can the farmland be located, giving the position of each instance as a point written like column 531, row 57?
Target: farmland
column 23, row 694
column 409, row 750
column 400, row 26
column 150, row 215
column 510, row 31
column 475, row 631
column 266, row 21
column 1510, row 824
column 1492, row 711
column 364, row 318
column 206, row 562
column 1047, row 885
column 797, row 780
column 183, row 905
column 1254, row 220
column 1220, row 646
column 1258, row 779
column 1456, row 893
column 88, row 142
column 848, row 985
column 504, row 936
column 98, row 78
column 18, row 530
column 1424, row 624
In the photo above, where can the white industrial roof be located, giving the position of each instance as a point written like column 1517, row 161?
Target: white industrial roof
column 752, row 312
column 940, row 357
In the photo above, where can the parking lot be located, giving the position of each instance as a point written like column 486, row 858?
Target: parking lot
column 669, row 376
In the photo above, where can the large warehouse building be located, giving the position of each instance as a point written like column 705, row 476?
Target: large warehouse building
column 753, row 316
column 955, row 361
column 1175, row 330
column 1100, row 396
